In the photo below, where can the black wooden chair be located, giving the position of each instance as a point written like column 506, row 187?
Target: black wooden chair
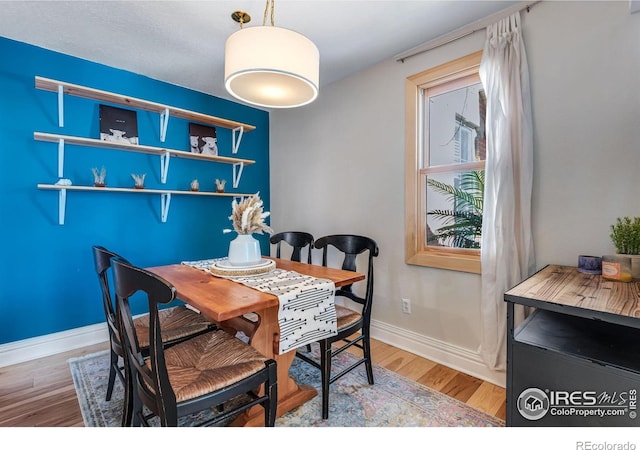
column 296, row 239
column 350, row 321
column 194, row 375
column 178, row 323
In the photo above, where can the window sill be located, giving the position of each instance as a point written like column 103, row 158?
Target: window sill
column 461, row 261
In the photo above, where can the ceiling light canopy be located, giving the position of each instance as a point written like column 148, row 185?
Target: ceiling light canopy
column 270, row 66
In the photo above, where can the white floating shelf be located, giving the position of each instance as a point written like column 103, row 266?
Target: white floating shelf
column 62, row 139
column 165, row 195
column 62, row 87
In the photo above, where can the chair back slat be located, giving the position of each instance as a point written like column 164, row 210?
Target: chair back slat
column 351, row 246
column 130, row 280
column 102, row 261
column 296, row 239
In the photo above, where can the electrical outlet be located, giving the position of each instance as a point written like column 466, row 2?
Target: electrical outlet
column 406, row 306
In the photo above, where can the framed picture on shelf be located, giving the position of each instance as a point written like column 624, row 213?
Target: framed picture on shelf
column 203, row 139
column 118, row 125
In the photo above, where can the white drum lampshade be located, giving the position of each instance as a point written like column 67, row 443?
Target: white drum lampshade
column 271, row 67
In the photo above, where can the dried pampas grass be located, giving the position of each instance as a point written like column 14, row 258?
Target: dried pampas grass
column 247, row 216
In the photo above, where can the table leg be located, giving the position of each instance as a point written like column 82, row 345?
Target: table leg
column 265, row 339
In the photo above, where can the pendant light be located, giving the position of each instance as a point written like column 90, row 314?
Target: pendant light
column 270, row 66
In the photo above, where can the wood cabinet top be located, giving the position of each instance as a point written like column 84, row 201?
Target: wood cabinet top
column 564, row 287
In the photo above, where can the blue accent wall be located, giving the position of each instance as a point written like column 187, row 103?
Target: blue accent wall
column 48, row 283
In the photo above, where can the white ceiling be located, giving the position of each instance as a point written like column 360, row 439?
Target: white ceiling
column 182, row 42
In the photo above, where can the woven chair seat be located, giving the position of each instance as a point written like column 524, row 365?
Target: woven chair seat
column 177, row 323
column 209, row 362
column 346, row 317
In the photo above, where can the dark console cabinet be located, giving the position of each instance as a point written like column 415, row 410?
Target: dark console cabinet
column 575, row 361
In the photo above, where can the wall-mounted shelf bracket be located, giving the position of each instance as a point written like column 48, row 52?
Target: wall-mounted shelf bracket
column 60, row 105
column 165, row 200
column 62, row 205
column 164, row 166
column 60, row 158
column 240, row 198
column 164, row 122
column 235, row 141
column 237, row 173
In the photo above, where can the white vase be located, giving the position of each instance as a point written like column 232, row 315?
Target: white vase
column 244, row 250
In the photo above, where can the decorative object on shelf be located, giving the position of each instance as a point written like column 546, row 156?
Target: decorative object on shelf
column 118, row 125
column 616, row 267
column 165, row 154
column 247, row 217
column 625, row 234
column 590, row 264
column 63, row 182
column 203, row 139
column 99, row 177
column 220, row 185
column 270, row 66
column 138, row 180
column 195, row 185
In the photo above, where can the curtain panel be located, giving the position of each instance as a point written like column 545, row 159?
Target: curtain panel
column 507, row 253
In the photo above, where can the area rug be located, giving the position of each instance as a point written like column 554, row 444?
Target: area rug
column 393, row 401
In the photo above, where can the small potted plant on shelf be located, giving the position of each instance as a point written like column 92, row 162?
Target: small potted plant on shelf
column 138, row 180
column 220, row 185
column 625, row 234
column 99, row 177
column 195, row 185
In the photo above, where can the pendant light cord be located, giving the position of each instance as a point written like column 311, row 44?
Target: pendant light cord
column 267, row 7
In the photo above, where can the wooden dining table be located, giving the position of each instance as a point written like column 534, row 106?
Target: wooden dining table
column 228, row 303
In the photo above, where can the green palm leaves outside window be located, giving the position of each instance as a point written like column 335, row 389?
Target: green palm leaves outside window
column 462, row 224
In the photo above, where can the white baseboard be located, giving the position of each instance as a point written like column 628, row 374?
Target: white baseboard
column 438, row 351
column 457, row 358
column 51, row 344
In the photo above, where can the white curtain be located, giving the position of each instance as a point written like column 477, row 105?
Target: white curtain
column 507, row 244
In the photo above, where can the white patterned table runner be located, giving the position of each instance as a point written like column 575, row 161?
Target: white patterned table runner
column 307, row 310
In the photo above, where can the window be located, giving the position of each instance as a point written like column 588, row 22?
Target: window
column 445, row 156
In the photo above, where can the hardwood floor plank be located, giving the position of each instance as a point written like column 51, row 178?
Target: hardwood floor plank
column 438, row 377
column 45, row 396
column 488, row 398
column 41, row 393
column 461, row 387
column 14, row 383
column 49, row 415
column 502, row 412
column 52, row 393
column 380, row 351
column 417, row 369
column 398, row 359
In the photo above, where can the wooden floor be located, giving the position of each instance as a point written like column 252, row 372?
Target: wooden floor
column 41, row 393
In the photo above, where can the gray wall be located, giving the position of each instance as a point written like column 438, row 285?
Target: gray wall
column 337, row 166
